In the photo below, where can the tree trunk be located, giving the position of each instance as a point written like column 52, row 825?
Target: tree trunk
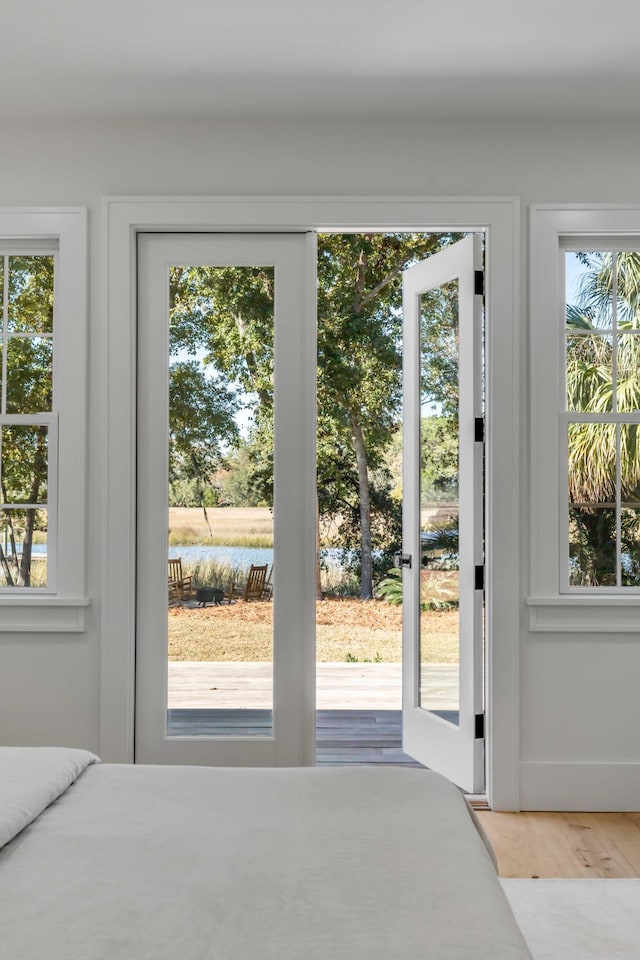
column 597, row 553
column 24, row 577
column 14, row 550
column 39, row 473
column 366, row 583
column 5, row 568
column 318, row 571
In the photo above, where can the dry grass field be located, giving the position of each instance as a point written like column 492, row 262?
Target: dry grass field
column 347, row 630
column 228, row 526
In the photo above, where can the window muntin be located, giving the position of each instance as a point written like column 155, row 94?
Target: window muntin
column 28, row 428
column 602, row 413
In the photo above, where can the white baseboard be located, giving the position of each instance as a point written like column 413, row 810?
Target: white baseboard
column 611, row 787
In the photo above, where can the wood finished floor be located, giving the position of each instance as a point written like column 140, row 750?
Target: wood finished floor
column 587, row 845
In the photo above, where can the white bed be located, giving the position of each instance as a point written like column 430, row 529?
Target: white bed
column 206, row 863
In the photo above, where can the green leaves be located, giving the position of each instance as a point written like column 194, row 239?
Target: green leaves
column 201, row 419
column 221, row 339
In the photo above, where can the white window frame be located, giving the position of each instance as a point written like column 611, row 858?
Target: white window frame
column 59, row 607
column 554, row 605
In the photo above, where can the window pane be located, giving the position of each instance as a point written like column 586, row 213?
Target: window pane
column 30, row 307
column 592, row 463
column 628, row 288
column 589, row 373
column 592, row 546
column 29, row 375
column 588, row 291
column 23, row 464
column 23, row 548
column 592, row 504
column 630, row 533
column 628, row 373
column 630, row 462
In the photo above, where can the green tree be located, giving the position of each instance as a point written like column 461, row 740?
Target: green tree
column 201, row 423
column 439, row 458
column 224, row 316
column 245, row 477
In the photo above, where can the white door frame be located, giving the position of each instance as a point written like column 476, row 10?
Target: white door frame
column 123, row 218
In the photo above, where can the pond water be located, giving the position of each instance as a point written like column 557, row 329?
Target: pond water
column 234, row 556
column 241, row 557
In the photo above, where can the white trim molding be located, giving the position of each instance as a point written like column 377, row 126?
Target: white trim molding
column 41, row 614
column 123, row 219
column 561, row 785
column 572, row 614
column 553, row 608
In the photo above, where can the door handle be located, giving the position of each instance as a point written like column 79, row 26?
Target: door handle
column 402, row 560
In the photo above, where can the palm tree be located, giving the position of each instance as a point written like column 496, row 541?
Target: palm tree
column 593, row 447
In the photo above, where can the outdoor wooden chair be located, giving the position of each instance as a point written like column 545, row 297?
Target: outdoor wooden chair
column 179, row 586
column 253, row 589
column 267, row 592
column 174, row 593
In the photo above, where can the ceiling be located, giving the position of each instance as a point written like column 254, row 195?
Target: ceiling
column 80, row 59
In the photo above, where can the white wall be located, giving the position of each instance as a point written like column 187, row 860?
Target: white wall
column 579, row 699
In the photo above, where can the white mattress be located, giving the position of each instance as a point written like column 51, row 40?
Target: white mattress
column 202, row 863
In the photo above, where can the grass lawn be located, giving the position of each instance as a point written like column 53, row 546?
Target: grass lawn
column 347, row 630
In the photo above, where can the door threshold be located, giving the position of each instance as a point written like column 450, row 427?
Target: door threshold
column 477, row 801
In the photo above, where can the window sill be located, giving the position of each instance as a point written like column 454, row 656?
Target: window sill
column 42, row 614
column 587, row 614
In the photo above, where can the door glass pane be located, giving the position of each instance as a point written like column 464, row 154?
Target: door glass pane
column 439, row 540
column 220, row 517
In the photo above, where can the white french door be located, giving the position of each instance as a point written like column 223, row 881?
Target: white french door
column 443, row 712
column 281, row 730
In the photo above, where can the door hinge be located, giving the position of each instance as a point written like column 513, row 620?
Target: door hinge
column 479, row 732
column 479, row 430
column 478, row 284
column 479, row 577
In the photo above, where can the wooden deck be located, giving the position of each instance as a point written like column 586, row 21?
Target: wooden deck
column 339, row 686
column 343, row 737
column 358, row 719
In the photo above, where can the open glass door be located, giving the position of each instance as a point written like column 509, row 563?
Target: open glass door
column 443, row 719
column 225, row 594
